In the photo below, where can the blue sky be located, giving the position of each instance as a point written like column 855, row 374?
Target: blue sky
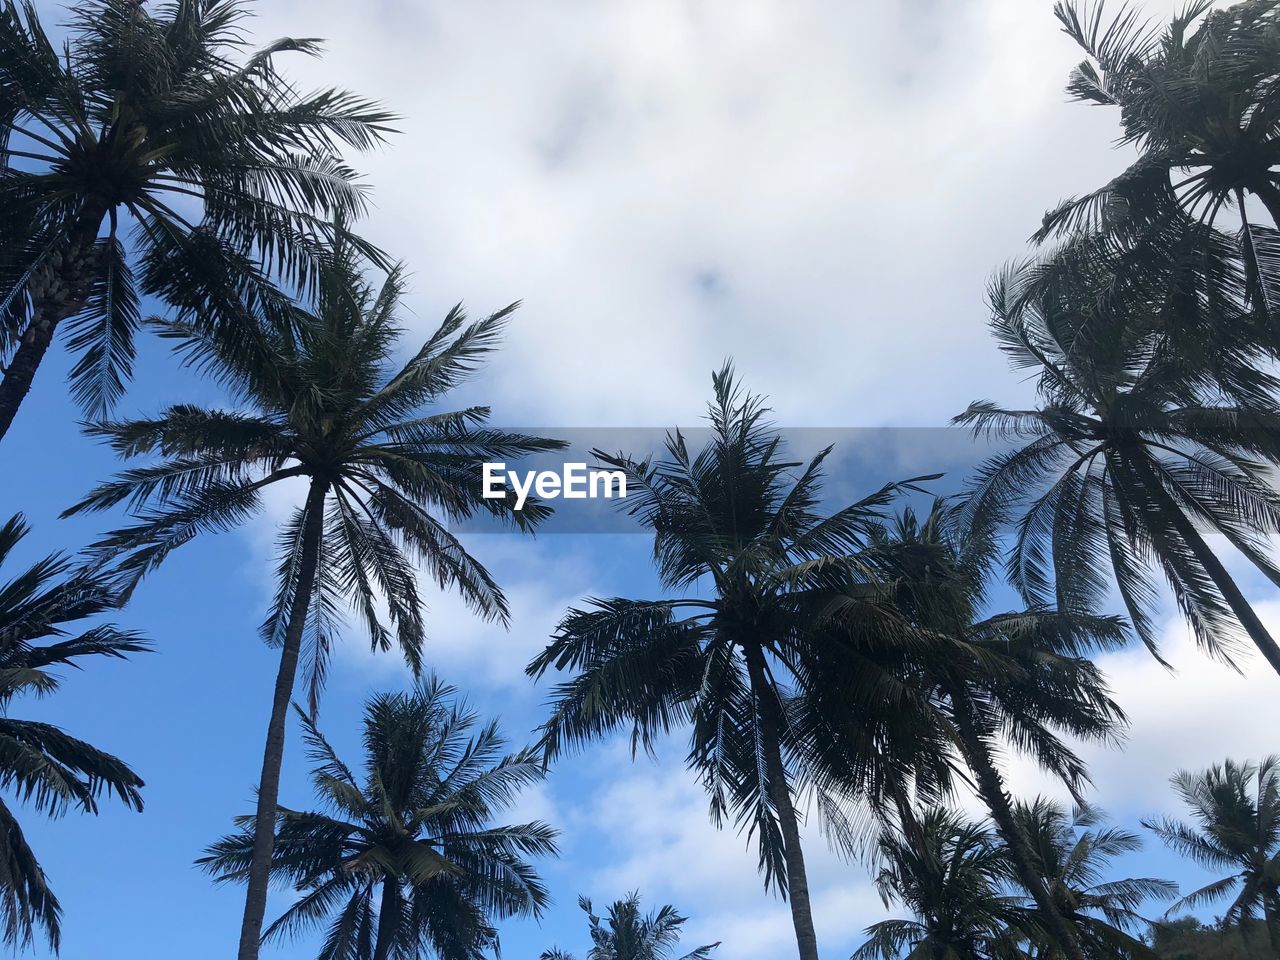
column 818, row 189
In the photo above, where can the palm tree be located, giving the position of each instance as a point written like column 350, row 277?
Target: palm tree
column 322, row 403
column 165, row 121
column 41, row 610
column 1019, row 676
column 735, row 517
column 1235, row 811
column 626, row 934
column 1132, row 453
column 1073, row 854
column 407, row 859
column 950, row 874
column 1197, row 98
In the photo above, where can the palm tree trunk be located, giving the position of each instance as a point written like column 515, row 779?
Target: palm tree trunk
column 386, row 928
column 780, row 795
column 991, row 789
column 264, row 836
column 1240, row 606
column 62, row 293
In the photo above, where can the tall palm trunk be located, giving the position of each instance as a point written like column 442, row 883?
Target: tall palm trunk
column 1240, row 606
column 386, row 925
column 264, row 827
column 56, row 294
column 991, row 789
column 780, row 795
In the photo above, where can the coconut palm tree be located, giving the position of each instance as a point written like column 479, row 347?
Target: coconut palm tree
column 1131, row 457
column 738, row 660
column 1197, row 98
column 41, row 614
column 1235, row 810
column 158, row 155
column 626, row 934
column 1020, row 677
column 1073, row 853
column 950, row 874
column 406, row 859
column 321, row 403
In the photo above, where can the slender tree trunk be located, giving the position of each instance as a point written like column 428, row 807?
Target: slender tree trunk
column 386, row 927
column 57, row 293
column 780, row 795
column 991, row 788
column 1240, row 606
column 264, row 835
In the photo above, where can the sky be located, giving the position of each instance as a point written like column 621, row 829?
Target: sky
column 818, row 190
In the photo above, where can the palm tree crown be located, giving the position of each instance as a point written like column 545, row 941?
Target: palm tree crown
column 1133, row 452
column 627, row 934
column 1235, row 826
column 951, row 875
column 165, row 121
column 1197, row 97
column 406, row 859
column 41, row 610
column 321, row 401
column 1074, row 852
column 1024, row 674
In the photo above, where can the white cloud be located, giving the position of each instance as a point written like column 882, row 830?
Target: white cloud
column 818, row 189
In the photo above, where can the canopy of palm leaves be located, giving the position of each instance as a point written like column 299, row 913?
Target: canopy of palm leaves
column 319, row 398
column 1023, row 676
column 41, row 614
column 406, row 860
column 165, row 123
column 1137, row 447
column 1197, row 97
column 627, row 934
column 737, row 662
column 1235, row 810
column 1074, row 854
column 951, row 875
